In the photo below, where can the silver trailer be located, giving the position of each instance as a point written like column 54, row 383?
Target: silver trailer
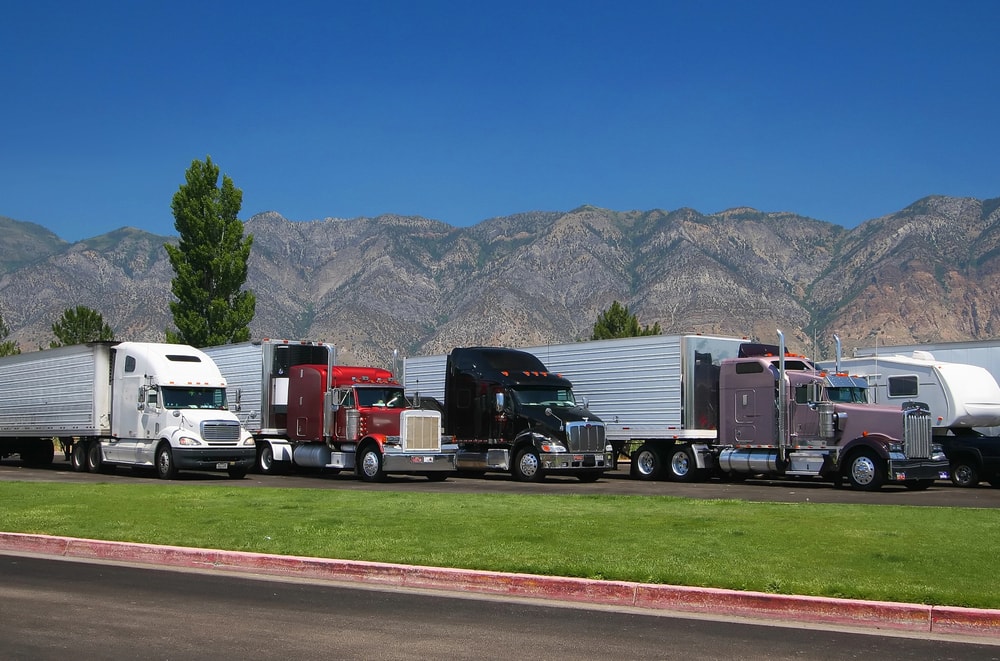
column 652, row 387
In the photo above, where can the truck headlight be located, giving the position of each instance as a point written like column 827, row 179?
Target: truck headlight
column 189, row 440
column 248, row 441
column 553, row 447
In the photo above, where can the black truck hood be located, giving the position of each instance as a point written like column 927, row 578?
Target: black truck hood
column 559, row 416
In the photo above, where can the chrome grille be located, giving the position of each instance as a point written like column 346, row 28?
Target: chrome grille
column 220, row 431
column 917, row 433
column 420, row 431
column 585, row 436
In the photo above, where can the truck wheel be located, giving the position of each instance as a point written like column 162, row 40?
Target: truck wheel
column 266, row 464
column 370, row 465
column 78, row 458
column 964, row 474
column 865, row 471
column 918, row 485
column 165, row 468
column 527, row 466
column 646, row 464
column 682, row 465
column 237, row 472
column 94, row 461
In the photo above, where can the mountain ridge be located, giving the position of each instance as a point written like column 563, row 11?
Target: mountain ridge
column 929, row 272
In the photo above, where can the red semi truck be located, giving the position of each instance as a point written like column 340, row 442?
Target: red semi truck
column 305, row 410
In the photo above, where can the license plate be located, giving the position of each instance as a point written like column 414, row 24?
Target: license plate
column 222, row 465
column 428, row 460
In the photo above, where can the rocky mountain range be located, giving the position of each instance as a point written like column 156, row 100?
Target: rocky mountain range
column 930, row 272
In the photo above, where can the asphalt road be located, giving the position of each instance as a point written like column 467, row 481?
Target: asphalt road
column 54, row 609
column 617, row 482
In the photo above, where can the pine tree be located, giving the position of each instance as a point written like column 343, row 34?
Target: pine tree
column 81, row 324
column 7, row 347
column 210, row 261
column 617, row 321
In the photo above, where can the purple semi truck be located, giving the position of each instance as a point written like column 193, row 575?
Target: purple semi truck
column 688, row 407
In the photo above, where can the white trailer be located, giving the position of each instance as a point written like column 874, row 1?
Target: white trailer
column 958, row 395
column 127, row 403
column 981, row 353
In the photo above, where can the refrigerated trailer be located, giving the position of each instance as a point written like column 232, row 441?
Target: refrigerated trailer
column 121, row 404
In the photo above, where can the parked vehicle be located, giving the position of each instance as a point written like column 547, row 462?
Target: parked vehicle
column 507, row 412
column 962, row 400
column 690, row 406
column 121, row 404
column 305, row 410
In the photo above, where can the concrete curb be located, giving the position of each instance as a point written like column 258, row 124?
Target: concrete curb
column 942, row 620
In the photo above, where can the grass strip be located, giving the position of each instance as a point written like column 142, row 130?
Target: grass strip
column 928, row 555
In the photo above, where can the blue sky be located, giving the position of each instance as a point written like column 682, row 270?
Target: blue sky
column 462, row 111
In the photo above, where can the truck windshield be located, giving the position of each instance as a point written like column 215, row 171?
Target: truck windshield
column 527, row 396
column 847, row 395
column 194, row 398
column 391, row 398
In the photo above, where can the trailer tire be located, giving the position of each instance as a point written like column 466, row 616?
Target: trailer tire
column 527, row 466
column 95, row 463
column 964, row 473
column 682, row 465
column 370, row 464
column 165, row 467
column 646, row 463
column 78, row 458
column 865, row 471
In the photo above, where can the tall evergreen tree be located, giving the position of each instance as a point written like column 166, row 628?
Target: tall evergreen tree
column 617, row 321
column 210, row 261
column 7, row 347
column 81, row 324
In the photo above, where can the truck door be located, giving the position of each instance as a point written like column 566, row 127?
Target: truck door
column 126, row 410
column 745, row 407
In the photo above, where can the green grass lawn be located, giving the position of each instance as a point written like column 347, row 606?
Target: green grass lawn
column 941, row 556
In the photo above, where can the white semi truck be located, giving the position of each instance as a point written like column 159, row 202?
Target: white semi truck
column 121, row 404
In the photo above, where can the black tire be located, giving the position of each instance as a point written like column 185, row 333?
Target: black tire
column 370, row 464
column 95, row 463
column 964, row 473
column 589, row 476
column 646, row 463
column 437, row 477
column 165, row 467
column 681, row 464
column 918, row 485
column 237, row 472
column 865, row 471
column 78, row 457
column 527, row 466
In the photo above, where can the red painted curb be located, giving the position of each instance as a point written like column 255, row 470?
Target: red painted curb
column 751, row 605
